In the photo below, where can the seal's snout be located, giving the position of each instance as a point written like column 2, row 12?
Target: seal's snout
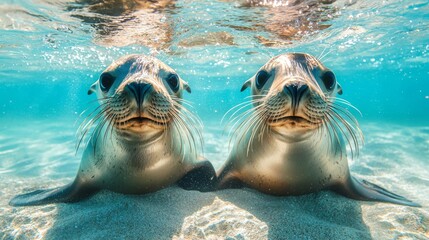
column 140, row 106
column 139, row 90
column 296, row 92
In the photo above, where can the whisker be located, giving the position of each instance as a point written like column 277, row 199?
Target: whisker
column 179, row 118
column 246, row 104
column 348, row 131
column 353, row 132
column 88, row 126
column 336, row 127
column 344, row 112
column 326, row 54
column 89, row 116
column 257, row 123
column 335, row 100
column 241, row 119
column 245, row 124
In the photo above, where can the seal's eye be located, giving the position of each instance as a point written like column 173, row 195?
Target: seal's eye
column 261, row 78
column 328, row 79
column 106, row 81
column 173, row 81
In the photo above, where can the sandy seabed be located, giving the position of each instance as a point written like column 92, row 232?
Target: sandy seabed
column 173, row 213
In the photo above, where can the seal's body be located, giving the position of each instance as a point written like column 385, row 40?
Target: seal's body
column 143, row 141
column 294, row 140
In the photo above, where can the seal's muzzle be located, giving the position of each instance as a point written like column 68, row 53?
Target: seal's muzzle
column 139, row 90
column 295, row 91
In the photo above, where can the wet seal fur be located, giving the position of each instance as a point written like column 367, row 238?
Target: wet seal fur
column 293, row 141
column 144, row 138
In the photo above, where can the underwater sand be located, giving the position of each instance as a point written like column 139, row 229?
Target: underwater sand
column 394, row 157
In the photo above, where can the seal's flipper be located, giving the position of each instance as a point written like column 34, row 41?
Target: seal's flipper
column 69, row 193
column 201, row 178
column 364, row 190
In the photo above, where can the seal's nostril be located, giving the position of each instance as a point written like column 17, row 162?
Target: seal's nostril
column 291, row 89
column 302, row 89
column 296, row 91
column 139, row 90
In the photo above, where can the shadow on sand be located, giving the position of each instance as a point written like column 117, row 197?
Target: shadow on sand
column 323, row 215
column 161, row 215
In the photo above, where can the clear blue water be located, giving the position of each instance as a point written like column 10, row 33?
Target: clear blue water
column 379, row 52
column 51, row 51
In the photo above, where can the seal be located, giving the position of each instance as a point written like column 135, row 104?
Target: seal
column 293, row 140
column 144, row 138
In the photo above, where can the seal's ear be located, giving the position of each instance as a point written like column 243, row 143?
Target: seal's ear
column 246, row 85
column 92, row 89
column 339, row 89
column 186, row 87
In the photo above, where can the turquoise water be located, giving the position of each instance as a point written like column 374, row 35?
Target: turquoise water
column 51, row 51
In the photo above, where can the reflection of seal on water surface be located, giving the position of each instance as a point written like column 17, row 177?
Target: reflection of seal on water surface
column 144, row 139
column 127, row 22
column 147, row 23
column 285, row 21
column 294, row 139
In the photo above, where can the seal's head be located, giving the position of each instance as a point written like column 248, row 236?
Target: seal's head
column 139, row 93
column 294, row 94
column 293, row 90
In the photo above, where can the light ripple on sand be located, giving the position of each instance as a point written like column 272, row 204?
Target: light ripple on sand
column 220, row 220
